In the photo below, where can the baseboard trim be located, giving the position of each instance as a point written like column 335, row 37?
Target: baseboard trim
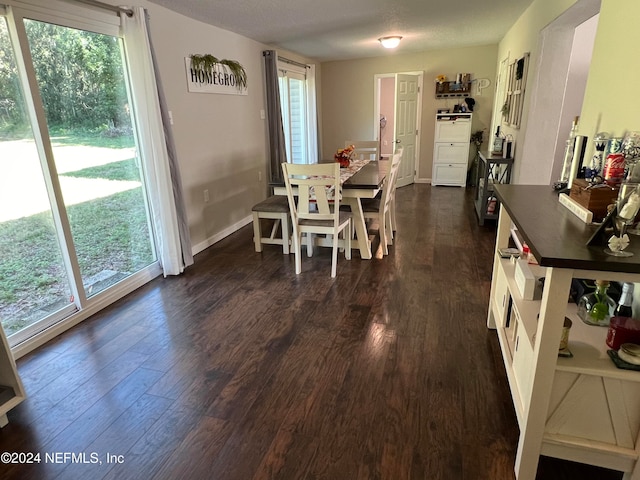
column 199, row 247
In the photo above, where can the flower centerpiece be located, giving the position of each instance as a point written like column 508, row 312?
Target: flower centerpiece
column 343, row 155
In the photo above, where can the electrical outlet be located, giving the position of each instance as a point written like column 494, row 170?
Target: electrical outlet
column 386, row 143
column 259, row 176
column 205, row 194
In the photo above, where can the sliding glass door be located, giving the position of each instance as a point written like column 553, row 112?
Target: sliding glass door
column 74, row 218
column 33, row 278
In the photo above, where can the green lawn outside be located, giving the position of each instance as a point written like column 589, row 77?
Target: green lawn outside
column 110, row 234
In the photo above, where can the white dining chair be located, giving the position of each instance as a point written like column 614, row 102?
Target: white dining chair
column 380, row 209
column 365, row 149
column 314, row 203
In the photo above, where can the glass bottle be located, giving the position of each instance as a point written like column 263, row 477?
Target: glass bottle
column 626, row 301
column 497, row 142
column 596, row 308
column 568, row 153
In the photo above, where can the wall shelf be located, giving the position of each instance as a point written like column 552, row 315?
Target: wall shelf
column 453, row 89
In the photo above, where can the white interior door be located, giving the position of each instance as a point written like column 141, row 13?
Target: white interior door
column 406, row 131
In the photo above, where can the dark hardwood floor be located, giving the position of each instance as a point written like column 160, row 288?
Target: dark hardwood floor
column 239, row 369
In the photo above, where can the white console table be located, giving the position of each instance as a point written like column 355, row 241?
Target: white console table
column 583, row 408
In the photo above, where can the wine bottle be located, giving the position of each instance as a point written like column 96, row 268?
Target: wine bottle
column 626, row 301
column 497, row 142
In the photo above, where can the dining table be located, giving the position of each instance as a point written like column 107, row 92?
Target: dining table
column 365, row 182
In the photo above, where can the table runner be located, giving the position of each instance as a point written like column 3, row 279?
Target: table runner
column 352, row 169
column 345, row 174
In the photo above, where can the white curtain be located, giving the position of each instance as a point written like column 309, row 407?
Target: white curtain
column 312, row 115
column 152, row 142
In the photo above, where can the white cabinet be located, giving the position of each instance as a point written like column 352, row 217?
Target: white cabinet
column 451, row 149
column 11, row 389
column 583, row 408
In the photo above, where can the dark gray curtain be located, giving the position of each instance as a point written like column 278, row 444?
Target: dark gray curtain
column 277, row 147
column 176, row 181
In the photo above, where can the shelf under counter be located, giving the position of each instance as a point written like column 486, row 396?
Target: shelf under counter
column 587, row 343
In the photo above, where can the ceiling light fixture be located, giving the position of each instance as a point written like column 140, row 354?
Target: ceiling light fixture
column 390, row 42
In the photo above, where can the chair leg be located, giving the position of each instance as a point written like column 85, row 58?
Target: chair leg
column 309, row 244
column 347, row 233
column 334, row 255
column 297, row 238
column 392, row 211
column 286, row 234
column 257, row 234
column 382, row 232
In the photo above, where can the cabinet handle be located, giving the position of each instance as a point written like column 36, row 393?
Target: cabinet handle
column 517, row 341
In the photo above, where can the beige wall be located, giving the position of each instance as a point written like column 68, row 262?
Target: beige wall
column 348, row 94
column 223, row 144
column 610, row 103
column 524, row 36
column 221, row 141
column 607, row 106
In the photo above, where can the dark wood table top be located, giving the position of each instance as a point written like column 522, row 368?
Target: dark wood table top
column 556, row 236
column 369, row 176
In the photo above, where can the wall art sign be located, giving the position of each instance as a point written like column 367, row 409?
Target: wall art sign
column 216, row 80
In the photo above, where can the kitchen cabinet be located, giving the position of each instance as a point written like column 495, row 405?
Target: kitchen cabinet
column 582, row 408
column 451, row 149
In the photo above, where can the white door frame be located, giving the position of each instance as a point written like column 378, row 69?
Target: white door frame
column 376, row 116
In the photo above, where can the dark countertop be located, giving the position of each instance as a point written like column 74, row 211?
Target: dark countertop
column 556, row 236
column 494, row 158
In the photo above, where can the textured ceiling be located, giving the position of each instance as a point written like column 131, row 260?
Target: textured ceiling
column 341, row 29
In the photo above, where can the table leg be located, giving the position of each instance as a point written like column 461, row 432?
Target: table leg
column 362, row 236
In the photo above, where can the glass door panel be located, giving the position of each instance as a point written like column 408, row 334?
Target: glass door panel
column 82, row 83
column 33, row 277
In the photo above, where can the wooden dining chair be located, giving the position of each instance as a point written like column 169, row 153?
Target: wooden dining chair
column 274, row 208
column 380, row 209
column 316, row 209
column 392, row 208
column 365, row 149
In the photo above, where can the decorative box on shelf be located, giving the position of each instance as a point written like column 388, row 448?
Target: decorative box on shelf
column 595, row 199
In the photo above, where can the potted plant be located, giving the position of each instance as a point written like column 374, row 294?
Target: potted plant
column 207, row 62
